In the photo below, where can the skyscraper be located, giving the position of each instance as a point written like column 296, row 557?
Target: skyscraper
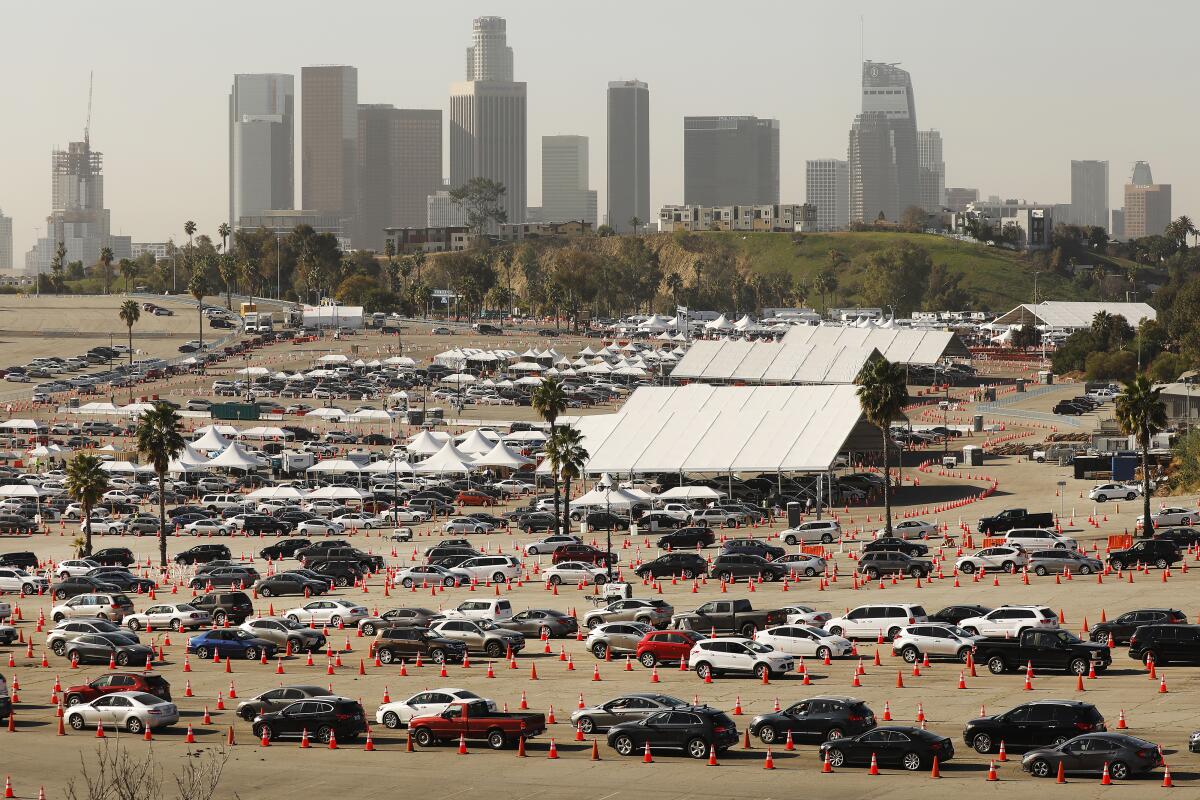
column 261, row 144
column 730, row 161
column 931, row 170
column 827, row 187
column 883, row 146
column 1147, row 204
column 565, row 193
column 6, row 258
column 329, row 140
column 399, row 165
column 628, row 153
column 1089, row 193
column 1141, row 174
column 487, row 119
column 958, row 198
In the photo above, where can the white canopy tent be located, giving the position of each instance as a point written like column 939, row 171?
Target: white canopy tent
column 394, row 466
column 476, row 442
column 447, row 460
column 235, row 457
column 427, row 443
column 29, row 425
column 335, row 466
column 336, row 493
column 691, row 493
column 502, row 457
column 275, row 493
column 773, row 362
column 613, row 498
column 212, row 440
column 332, row 413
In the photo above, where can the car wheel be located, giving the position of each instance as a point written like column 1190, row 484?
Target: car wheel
column 697, row 747
column 496, row 739
column 982, row 743
column 494, row 649
column 202, row 653
column 967, row 568
column 448, row 582
column 134, row 725
column 1040, row 570
column 910, row 654
column 407, row 583
column 555, row 580
column 964, row 654
column 836, row 630
column 810, row 572
column 325, row 733
column 836, row 757
column 75, row 721
column 341, row 581
column 725, row 577
column 833, row 733
column 1040, row 768
column 704, row 670
column 251, row 653
column 762, row 671
column 824, row 652
column 623, row 745
column 587, row 725
column 220, row 617
column 600, row 650
column 423, row 737
column 335, row 620
column 1119, row 770
column 1130, row 496
column 133, row 624
column 768, row 734
column 1008, row 566
column 60, row 595
column 873, row 573
column 391, row 719
column 893, row 633
column 996, row 665
column 498, row 577
column 123, row 659
column 1161, row 563
column 58, row 648
column 916, row 572
column 911, row 761
column 1085, row 569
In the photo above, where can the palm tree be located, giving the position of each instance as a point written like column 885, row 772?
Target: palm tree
column 549, row 401
column 1142, row 413
column 883, row 394
column 128, row 271
column 87, row 483
column 189, row 228
column 130, row 313
column 674, row 285
column 228, row 270
column 106, row 259
column 566, row 444
column 159, row 440
column 821, row 285
column 223, row 232
column 197, row 286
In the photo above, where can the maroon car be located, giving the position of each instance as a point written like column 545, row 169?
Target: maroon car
column 119, row 682
column 582, row 552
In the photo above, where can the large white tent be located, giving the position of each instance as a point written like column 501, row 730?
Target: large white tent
column 235, row 457
column 427, row 443
column 336, row 466
column 1073, row 315
column 447, row 460
column 275, row 493
column 773, row 362
column 501, row 456
column 211, row 441
column 898, row 345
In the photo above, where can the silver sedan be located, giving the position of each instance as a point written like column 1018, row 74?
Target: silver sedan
column 133, row 711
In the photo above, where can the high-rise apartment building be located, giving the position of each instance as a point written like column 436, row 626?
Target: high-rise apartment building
column 931, row 175
column 827, row 188
column 565, row 193
column 261, row 144
column 730, row 161
column 883, row 146
column 1089, row 193
column 399, row 165
column 628, row 154
column 958, row 198
column 329, row 140
column 6, row 243
column 488, row 119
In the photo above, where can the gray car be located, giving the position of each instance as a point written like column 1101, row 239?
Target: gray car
column 276, row 699
column 282, row 631
column 617, row 638
column 1050, row 562
column 1124, row 755
column 67, row 631
column 400, row 618
column 651, row 612
column 626, row 708
column 481, row 636
column 533, row 622
column 98, row 648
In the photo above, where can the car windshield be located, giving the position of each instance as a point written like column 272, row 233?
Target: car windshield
column 1066, row 637
column 290, row 624
column 758, row 647
column 488, row 625
column 957, row 631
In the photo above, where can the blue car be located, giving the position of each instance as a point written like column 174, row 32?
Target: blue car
column 231, row 643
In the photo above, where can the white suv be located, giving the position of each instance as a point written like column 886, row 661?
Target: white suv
column 220, row 502
column 1113, row 491
column 1038, row 539
column 495, row 610
column 1010, row 621
column 937, row 640
column 817, row 531
column 875, row 620
column 497, row 569
column 1002, row 557
column 738, row 654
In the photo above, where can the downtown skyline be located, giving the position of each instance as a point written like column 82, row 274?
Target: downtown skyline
column 166, row 153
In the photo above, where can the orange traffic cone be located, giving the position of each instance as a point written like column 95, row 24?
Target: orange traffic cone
column 769, row 761
column 826, row 767
column 991, row 773
column 1105, row 778
column 935, row 772
column 874, row 770
column 1062, row 774
column 646, row 757
column 553, row 750
column 462, row 745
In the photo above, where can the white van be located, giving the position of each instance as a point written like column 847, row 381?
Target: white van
column 886, row 620
column 816, row 531
column 220, row 502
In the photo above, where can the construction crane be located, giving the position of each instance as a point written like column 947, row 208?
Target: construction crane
column 87, row 126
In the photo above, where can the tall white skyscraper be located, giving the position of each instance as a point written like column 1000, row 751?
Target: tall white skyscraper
column 932, row 170
column 565, row 193
column 6, row 243
column 883, row 146
column 261, row 144
column 1089, row 193
column 628, row 154
column 827, row 187
column 488, row 119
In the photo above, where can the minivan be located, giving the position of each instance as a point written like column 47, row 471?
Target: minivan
column 876, row 620
column 220, row 502
column 112, row 607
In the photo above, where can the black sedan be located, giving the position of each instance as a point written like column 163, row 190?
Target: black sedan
column 687, row 538
column 286, row 583
column 894, row 544
column 892, row 746
column 744, row 565
column 113, row 556
column 123, row 579
column 952, row 615
column 323, row 718
column 99, row 648
column 1124, row 755
column 684, row 564
column 284, row 548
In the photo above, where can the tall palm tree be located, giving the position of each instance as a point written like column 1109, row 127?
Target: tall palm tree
column 1142, row 413
column 227, row 267
column 159, row 440
column 87, row 483
column 566, row 444
column 223, row 232
column 883, row 394
column 130, row 313
column 198, row 286
column 549, row 401
column 106, row 259
column 128, row 271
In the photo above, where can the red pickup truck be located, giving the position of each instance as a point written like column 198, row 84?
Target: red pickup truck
column 473, row 720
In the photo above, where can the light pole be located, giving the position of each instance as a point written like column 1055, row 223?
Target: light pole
column 278, row 272
column 605, row 483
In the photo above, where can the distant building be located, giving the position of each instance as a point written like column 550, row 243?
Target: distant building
column 957, row 199
column 931, row 175
column 882, row 150
column 329, row 141
column 628, row 154
column 762, row 218
column 827, row 189
column 1147, row 209
column 565, row 193
column 730, row 161
column 6, row 243
column 431, row 239
column 261, row 144
column 1089, row 193
column 516, row 232
column 534, row 214
column 1036, row 224
column 1117, row 231
column 442, row 212
column 282, row 221
column 157, row 250
column 1142, row 175
column 399, row 162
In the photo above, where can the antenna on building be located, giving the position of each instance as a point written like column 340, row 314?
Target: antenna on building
column 87, row 126
column 860, row 38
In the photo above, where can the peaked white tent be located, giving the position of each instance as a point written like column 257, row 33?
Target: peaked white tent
column 394, row 466
column 336, row 493
column 335, row 466
column 211, row 441
column 427, row 443
column 371, row 415
column 332, row 412
column 275, row 493
column 501, row 456
column 235, row 457
column 476, row 442
column 448, row 459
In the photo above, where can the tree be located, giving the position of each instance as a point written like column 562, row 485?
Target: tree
column 128, row 270
column 159, row 439
column 482, row 199
column 674, row 285
column 106, row 273
column 117, row 774
column 130, row 313
column 197, row 287
column 913, row 218
column 1026, row 336
column 897, row 277
column 567, row 456
column 883, row 394
column 56, row 268
column 635, row 223
column 549, row 401
column 223, row 232
column 1142, row 413
column 227, row 268
column 86, row 482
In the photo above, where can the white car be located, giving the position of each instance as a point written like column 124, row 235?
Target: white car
column 133, row 711
column 549, row 544
column 16, row 581
column 497, row 569
column 882, row 619
column 1007, row 558
column 169, row 615
column 426, row 575
column 75, row 512
column 496, row 610
column 404, row 516
column 1172, row 515
column 711, row 657
column 357, row 520
column 1038, row 539
column 575, row 571
column 210, row 525
column 121, row 496
column 467, row 525
column 328, row 612
column 937, row 640
column 816, row 531
column 911, row 529
column 1113, row 491
column 679, row 511
column 74, row 567
column 804, row 640
column 5, row 611
column 805, row 615
column 430, row 702
column 317, row 527
column 1010, row 621
column 511, row 487
column 112, row 527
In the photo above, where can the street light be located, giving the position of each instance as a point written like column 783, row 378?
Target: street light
column 605, row 483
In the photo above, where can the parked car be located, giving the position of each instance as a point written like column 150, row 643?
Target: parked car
column 632, row 707
column 657, row 647
column 1166, row 643
column 933, row 640
column 277, row 699
column 399, row 617
column 285, row 634
column 876, row 565
column 475, row 720
column 1043, row 650
column 229, row 643
column 1124, row 756
column 202, row 554
column 322, row 718
column 1037, row 724
column 694, row 730
column 328, row 612
column 403, row 644
column 876, row 620
column 953, row 615
column 538, row 622
column 1010, row 621
column 684, row 564
column 496, row 609
column 1058, row 560
column 481, row 636
column 428, row 703
column 1121, row 629
column 817, row 719
column 652, row 613
column 132, row 711
column 234, row 607
column 912, row 749
column 289, row 583
column 804, row 640
column 735, row 654
column 112, row 606
column 817, row 531
column 175, row 616
column 146, row 682
column 616, row 638
column 101, row 648
column 16, row 580
column 1160, row 553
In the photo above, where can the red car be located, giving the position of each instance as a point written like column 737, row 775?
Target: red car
column 119, row 682
column 469, row 498
column 582, row 552
column 659, row 646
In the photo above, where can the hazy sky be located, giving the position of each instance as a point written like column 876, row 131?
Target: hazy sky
column 1017, row 88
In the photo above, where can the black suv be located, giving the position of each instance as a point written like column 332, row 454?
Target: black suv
column 321, row 717
column 753, row 547
column 696, row 730
column 285, row 548
column 1122, row 628
column 538, row 521
column 366, row 560
column 405, row 644
column 338, row 571
column 203, row 553
column 815, row 720
column 873, row 565
column 745, row 565
column 1036, row 724
column 1166, row 644
column 1181, row 535
column 690, row 537
column 1157, row 552
column 318, row 548
column 24, row 559
column 262, row 525
column 683, row 564
column 894, row 544
column 221, row 606
column 113, row 557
